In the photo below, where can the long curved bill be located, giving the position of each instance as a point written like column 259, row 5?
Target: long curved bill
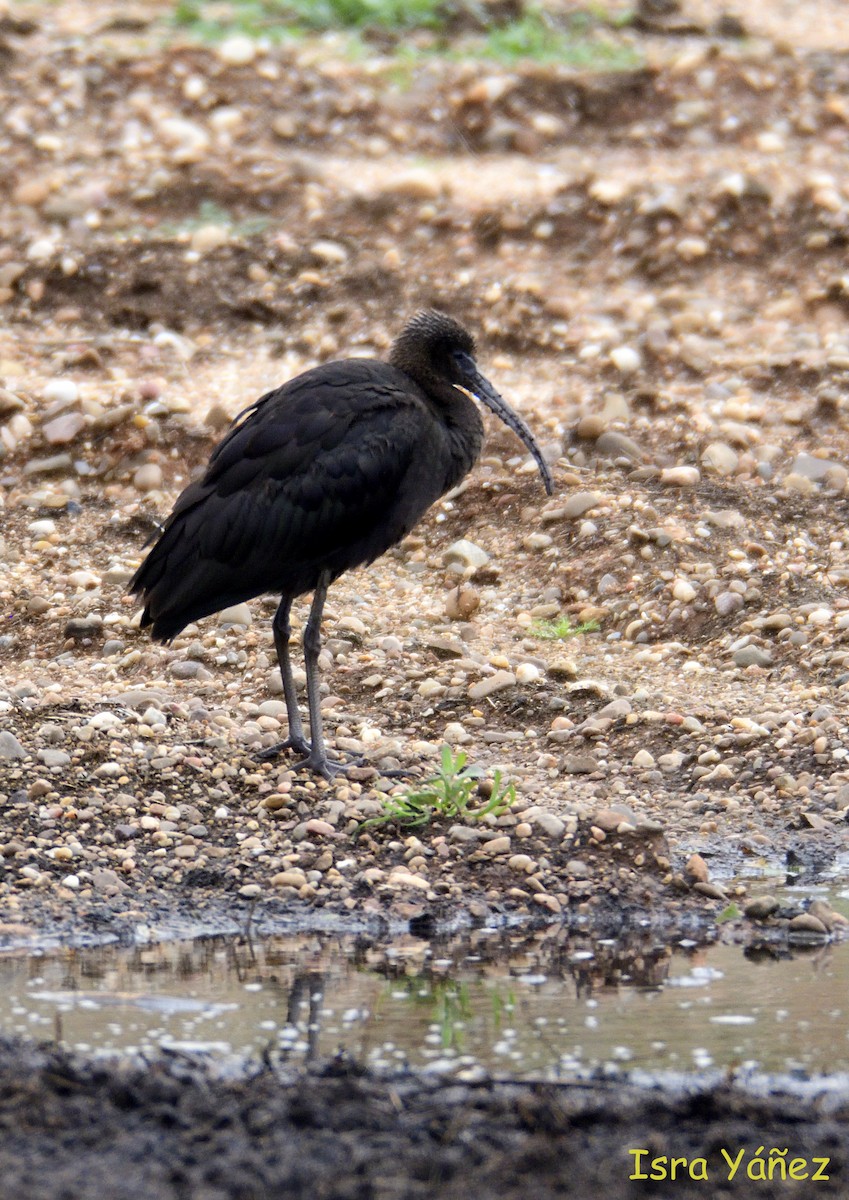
column 483, row 391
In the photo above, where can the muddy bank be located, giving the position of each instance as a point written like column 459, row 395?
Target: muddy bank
column 171, row 1128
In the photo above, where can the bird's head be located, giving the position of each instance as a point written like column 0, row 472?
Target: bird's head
column 439, row 354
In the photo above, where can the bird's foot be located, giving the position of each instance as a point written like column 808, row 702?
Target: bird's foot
column 299, row 744
column 328, row 768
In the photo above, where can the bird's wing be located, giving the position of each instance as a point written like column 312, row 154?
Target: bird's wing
column 313, row 475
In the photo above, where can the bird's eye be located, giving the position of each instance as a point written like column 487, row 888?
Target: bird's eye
column 464, row 362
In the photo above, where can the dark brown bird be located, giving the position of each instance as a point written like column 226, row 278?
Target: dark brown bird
column 320, row 475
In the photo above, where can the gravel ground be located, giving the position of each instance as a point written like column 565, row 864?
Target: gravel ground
column 654, row 263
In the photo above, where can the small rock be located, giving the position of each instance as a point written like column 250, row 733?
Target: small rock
column 613, row 444
column 148, row 478
column 579, row 503
column 250, row 891
column 697, row 868
column 461, row 602
column 721, row 458
column 329, row 253
column 53, row 758
column 236, row 614
column 680, row 476
column 683, row 590
column 579, row 764
column 10, row 747
column 493, row 683
column 644, row 760
column 209, row 237
column 497, row 845
column 237, row 51
column 752, row 656
column 806, row 923
column 466, row 553
column 61, row 391
column 761, row 907
column 64, row 428
column 727, row 603
column 626, row 359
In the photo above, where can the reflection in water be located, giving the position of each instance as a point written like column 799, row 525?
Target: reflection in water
column 540, row 1002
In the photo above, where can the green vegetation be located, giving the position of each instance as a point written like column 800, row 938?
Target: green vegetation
column 446, row 795
column 281, row 18
column 575, row 40
column 562, row 628
column 538, row 37
column 452, row 1004
column 209, row 213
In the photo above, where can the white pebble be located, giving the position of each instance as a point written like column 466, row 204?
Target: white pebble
column 455, row 735
column 643, row 759
column 528, row 673
column 683, row 591
column 626, row 359
column 237, row 51
column 680, row 476
column 820, row 616
column 61, row 391
column 41, row 249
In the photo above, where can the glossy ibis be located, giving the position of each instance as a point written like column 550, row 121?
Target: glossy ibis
column 320, row 475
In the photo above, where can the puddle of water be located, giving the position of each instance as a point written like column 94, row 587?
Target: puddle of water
column 540, row 1004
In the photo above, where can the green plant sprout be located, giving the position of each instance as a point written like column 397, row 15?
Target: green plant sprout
column 562, row 628
column 446, row 795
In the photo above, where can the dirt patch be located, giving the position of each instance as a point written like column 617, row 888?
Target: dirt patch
column 171, row 1128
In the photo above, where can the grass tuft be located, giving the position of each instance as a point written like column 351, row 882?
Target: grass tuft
column 447, row 795
column 561, row 629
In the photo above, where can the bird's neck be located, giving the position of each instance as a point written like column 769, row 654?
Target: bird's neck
column 465, row 433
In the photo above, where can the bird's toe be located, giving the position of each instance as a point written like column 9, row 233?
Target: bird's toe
column 299, row 744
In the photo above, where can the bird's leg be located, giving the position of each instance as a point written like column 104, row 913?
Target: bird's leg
column 317, row 759
column 282, row 630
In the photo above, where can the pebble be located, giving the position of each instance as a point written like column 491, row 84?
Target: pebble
column 683, row 590
column 64, row 428
column 329, row 253
column 818, row 470
column 492, row 683
column 148, row 478
column 461, row 602
column 759, row 908
column 236, row 614
column 806, row 923
column 697, row 868
column 720, row 458
column 644, row 760
column 626, row 359
column 465, row 553
column 680, row 476
column 209, row 237
column 613, row 444
column 237, row 50
column 61, row 391
column 496, row 845
column 10, row 747
column 727, row 603
column 579, row 503
column 752, row 656
column 528, row 673
column 53, row 758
